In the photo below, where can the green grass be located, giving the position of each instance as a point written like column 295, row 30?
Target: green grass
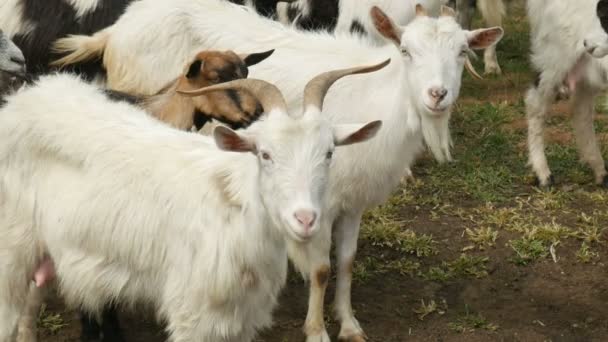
column 469, row 322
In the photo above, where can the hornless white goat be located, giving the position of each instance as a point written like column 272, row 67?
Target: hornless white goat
column 563, row 27
column 413, row 96
column 131, row 210
column 353, row 16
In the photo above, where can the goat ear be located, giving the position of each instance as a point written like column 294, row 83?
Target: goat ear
column 255, row 58
column 385, row 25
column 347, row 134
column 194, row 69
column 482, row 38
column 229, row 140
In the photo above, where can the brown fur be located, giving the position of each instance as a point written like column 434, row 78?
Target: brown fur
column 385, row 25
column 322, row 276
column 178, row 110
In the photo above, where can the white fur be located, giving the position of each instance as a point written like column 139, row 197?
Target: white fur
column 11, row 20
column 82, row 7
column 132, row 211
column 142, row 52
column 402, row 12
column 563, row 27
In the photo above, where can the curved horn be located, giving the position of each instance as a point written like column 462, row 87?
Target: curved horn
column 316, row 89
column 267, row 94
column 420, row 11
column 471, row 69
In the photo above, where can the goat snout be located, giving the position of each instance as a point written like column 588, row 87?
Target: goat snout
column 589, row 47
column 437, row 94
column 306, row 218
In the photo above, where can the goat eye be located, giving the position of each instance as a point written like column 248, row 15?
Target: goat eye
column 464, row 53
column 329, row 154
column 265, row 156
column 404, row 51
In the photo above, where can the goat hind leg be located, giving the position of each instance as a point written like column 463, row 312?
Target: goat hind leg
column 582, row 122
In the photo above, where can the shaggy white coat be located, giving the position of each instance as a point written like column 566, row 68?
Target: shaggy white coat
column 559, row 56
column 153, row 39
column 133, row 211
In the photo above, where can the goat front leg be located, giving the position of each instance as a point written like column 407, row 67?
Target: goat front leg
column 537, row 99
column 27, row 329
column 582, row 122
column 347, row 233
column 492, row 12
column 312, row 260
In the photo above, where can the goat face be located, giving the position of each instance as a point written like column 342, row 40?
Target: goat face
column 434, row 52
column 12, row 61
column 596, row 40
column 293, row 153
column 294, row 156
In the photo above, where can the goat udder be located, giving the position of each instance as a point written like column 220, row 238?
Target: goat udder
column 45, row 272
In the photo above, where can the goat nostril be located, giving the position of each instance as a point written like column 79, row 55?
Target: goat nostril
column 18, row 60
column 306, row 218
column 438, row 93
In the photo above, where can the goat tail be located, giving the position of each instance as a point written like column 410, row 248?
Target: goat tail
column 492, row 11
column 79, row 48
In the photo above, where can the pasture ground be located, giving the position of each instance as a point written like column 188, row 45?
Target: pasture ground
column 470, row 251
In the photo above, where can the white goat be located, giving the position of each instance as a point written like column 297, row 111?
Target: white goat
column 413, row 95
column 353, row 16
column 148, row 213
column 562, row 27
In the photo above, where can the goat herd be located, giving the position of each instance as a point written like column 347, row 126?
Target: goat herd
column 113, row 184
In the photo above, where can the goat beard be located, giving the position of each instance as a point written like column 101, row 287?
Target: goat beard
column 436, row 133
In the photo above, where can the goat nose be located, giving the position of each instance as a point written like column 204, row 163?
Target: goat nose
column 589, row 47
column 438, row 93
column 306, row 218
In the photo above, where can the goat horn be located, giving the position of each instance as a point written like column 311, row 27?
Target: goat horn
column 269, row 96
column 420, row 11
column 471, row 69
column 447, row 11
column 316, row 89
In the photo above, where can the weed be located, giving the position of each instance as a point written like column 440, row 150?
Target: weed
column 482, row 237
column 527, row 250
column 427, row 309
column 585, row 254
column 49, row 321
column 470, row 322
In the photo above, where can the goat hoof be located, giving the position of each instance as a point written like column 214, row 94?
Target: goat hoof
column 548, row 185
column 352, row 338
column 605, row 182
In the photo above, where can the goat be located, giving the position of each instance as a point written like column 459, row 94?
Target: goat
column 413, row 95
column 232, row 107
column 121, row 233
column 352, row 16
column 34, row 25
column 563, row 27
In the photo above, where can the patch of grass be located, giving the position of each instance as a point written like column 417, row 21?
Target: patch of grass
column 527, row 250
column 585, row 254
column 426, row 309
column 482, row 237
column 437, row 274
column 392, row 236
column 465, row 266
column 51, row 322
column 469, row 322
column 468, row 266
column 369, row 267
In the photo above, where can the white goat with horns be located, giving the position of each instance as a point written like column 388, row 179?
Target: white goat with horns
column 413, row 96
column 130, row 210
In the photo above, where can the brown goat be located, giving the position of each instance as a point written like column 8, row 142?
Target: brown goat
column 232, row 107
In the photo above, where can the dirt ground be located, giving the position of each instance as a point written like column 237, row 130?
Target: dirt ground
column 470, row 251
